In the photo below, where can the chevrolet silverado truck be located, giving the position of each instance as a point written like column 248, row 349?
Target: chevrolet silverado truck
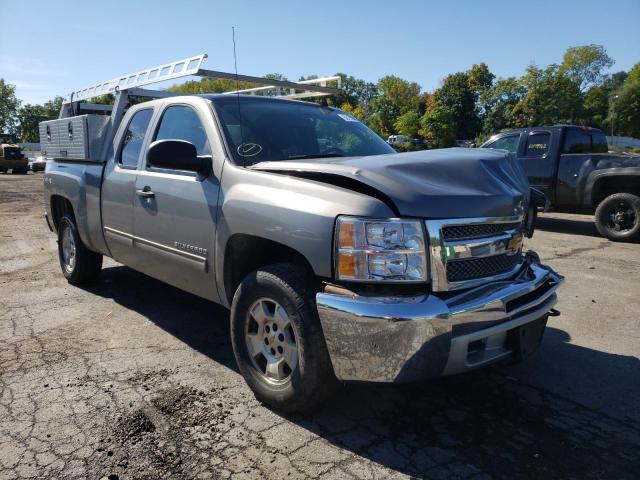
column 340, row 260
column 572, row 166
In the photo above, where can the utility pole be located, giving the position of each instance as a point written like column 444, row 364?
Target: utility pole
column 613, row 116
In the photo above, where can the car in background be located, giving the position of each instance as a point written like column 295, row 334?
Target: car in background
column 465, row 143
column 573, row 167
column 397, row 139
column 38, row 164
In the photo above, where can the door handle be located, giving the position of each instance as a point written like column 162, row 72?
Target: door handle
column 145, row 192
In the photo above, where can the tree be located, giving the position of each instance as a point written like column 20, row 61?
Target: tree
column 480, row 79
column 585, row 65
column 438, row 126
column 31, row 115
column 552, row 97
column 395, row 98
column 498, row 102
column 625, row 110
column 9, row 106
column 457, row 96
column 357, row 111
column 598, row 98
column 408, row 124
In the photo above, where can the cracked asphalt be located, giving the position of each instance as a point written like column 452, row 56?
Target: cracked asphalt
column 132, row 378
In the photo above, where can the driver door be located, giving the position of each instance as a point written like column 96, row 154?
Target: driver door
column 175, row 210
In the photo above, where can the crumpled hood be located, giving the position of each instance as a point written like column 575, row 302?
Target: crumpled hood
column 445, row 183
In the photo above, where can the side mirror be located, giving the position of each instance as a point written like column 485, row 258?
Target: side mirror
column 177, row 155
column 537, row 200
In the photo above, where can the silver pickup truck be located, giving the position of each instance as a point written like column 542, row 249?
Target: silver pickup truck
column 340, row 259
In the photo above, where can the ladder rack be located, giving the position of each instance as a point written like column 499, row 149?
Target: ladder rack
column 191, row 66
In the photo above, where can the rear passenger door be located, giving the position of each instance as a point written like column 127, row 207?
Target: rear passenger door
column 175, row 210
column 535, row 155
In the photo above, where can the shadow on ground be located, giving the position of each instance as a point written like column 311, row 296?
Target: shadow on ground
column 463, row 427
column 583, row 226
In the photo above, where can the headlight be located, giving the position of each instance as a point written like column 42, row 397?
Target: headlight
column 380, row 250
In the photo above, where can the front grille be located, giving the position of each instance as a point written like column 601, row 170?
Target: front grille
column 476, row 230
column 469, row 269
column 12, row 153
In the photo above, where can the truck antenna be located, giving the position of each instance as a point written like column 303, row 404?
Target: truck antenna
column 235, row 64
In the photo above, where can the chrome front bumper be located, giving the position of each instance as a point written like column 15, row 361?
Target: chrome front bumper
column 401, row 339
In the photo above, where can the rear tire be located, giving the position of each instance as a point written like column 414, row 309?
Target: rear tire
column 618, row 217
column 79, row 264
column 274, row 323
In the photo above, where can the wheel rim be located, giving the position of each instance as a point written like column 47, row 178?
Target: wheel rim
column 271, row 341
column 68, row 250
column 621, row 217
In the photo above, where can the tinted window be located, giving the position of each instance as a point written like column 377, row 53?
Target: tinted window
column 180, row 122
column 285, row 130
column 599, row 142
column 577, row 140
column 537, row 144
column 133, row 138
column 509, row 143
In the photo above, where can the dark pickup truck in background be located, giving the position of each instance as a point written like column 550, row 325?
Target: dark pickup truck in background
column 573, row 167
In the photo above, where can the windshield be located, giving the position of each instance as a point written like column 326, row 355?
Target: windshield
column 283, row 130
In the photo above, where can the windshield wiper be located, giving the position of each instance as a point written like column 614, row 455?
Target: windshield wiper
column 314, row 155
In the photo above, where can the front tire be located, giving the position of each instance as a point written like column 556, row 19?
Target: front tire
column 618, row 217
column 277, row 339
column 79, row 264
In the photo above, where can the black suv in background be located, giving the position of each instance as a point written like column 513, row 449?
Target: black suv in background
column 573, row 167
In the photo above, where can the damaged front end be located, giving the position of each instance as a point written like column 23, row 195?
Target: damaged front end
column 411, row 338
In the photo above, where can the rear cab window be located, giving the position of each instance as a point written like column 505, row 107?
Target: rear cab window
column 584, row 140
column 599, row 142
column 133, row 138
column 576, row 140
column 537, row 144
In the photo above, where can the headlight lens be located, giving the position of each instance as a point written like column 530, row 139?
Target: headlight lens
column 380, row 250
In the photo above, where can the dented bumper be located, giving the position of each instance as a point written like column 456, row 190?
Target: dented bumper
column 402, row 339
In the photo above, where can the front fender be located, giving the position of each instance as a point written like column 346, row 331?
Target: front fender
column 295, row 212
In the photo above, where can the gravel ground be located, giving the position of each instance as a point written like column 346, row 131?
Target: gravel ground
column 135, row 379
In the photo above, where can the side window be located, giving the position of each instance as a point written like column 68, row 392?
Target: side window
column 599, row 142
column 133, row 138
column 180, row 122
column 537, row 144
column 509, row 143
column 577, row 140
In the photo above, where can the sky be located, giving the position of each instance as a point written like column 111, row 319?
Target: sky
column 50, row 48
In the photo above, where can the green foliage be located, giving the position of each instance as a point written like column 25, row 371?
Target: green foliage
column 552, row 97
column 480, row 79
column 31, row 115
column 408, row 124
column 625, row 109
column 458, row 97
column 498, row 102
column 210, row 85
column 585, row 65
column 438, row 126
column 9, row 106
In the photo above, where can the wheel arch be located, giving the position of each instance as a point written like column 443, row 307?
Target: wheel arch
column 246, row 253
column 59, row 206
column 601, row 184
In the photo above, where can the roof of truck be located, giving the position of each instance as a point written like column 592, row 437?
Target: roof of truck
column 582, row 127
